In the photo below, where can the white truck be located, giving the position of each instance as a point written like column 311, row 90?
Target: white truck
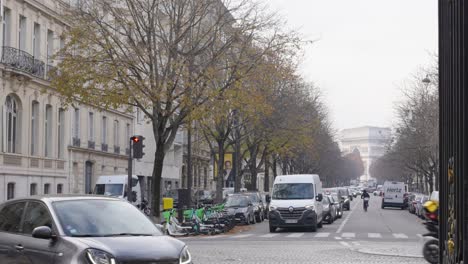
column 116, row 186
column 296, row 201
column 394, row 194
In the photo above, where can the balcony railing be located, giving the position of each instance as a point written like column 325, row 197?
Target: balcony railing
column 104, row 147
column 116, row 149
column 23, row 61
column 91, row 144
column 76, row 142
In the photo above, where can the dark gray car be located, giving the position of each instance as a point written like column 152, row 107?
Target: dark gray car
column 259, row 206
column 82, row 230
column 241, row 207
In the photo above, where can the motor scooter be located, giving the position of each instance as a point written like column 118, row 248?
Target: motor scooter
column 431, row 245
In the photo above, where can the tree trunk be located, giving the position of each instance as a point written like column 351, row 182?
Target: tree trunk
column 157, row 176
column 275, row 168
column 220, row 177
column 253, row 168
column 266, row 182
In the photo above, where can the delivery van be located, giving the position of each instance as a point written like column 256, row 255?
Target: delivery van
column 116, row 186
column 296, row 201
column 394, row 194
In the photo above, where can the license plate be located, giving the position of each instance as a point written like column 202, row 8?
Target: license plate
column 289, row 221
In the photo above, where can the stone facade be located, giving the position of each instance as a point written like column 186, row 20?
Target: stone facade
column 45, row 147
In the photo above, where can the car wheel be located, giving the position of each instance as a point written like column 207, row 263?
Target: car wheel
column 320, row 225
column 258, row 218
column 313, row 228
column 272, row 229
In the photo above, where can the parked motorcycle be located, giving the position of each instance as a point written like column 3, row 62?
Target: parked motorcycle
column 144, row 207
column 431, row 246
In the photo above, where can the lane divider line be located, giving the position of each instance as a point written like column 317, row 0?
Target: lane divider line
column 347, row 218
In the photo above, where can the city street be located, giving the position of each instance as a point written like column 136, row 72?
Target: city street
column 378, row 236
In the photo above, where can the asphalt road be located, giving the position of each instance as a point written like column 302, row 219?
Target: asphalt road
column 376, row 236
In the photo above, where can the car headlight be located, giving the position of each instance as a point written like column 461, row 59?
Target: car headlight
column 272, row 208
column 185, row 257
column 309, row 207
column 96, row 256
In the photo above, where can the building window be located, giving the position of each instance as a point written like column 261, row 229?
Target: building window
column 61, row 132
column 104, row 130
column 59, row 188
column 22, row 33
column 48, row 131
column 127, row 135
column 12, row 124
column 76, row 123
column 46, row 188
column 33, row 189
column 50, row 45
column 10, row 190
column 116, row 133
column 34, row 127
column 91, row 126
column 6, row 27
column 37, row 41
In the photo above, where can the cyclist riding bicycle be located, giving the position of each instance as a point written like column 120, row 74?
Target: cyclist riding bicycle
column 365, row 195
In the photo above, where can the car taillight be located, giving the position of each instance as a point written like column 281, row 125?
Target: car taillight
column 432, row 216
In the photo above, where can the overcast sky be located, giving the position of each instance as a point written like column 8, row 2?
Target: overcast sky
column 365, row 50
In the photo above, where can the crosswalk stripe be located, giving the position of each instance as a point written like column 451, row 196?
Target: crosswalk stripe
column 242, row 236
column 323, row 234
column 396, row 235
column 270, row 235
column 348, row 235
column 212, row 237
column 296, row 235
column 374, row 235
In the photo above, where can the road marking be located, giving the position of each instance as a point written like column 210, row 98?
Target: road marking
column 296, row 235
column 396, row 235
column 346, row 219
column 211, row 237
column 374, row 235
column 323, row 234
column 356, row 243
column 242, row 236
column 338, row 238
column 270, row 235
column 345, row 244
column 348, row 235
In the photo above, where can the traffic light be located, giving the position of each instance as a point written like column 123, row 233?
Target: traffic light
column 138, row 146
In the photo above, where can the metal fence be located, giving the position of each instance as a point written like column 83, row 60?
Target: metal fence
column 453, row 52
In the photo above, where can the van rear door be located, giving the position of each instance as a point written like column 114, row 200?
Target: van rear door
column 394, row 192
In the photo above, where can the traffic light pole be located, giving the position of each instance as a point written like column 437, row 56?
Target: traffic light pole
column 130, row 165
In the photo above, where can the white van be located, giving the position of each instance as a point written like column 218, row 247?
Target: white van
column 116, row 186
column 296, row 201
column 394, row 194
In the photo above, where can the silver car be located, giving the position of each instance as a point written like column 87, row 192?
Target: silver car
column 82, row 230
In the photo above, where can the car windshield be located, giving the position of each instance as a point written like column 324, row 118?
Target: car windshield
column 96, row 218
column 293, row 191
column 237, row 201
column 109, row 189
column 254, row 197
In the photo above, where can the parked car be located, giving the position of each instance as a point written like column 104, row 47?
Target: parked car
column 259, row 206
column 203, row 197
column 241, row 207
column 343, row 194
column 419, row 206
column 338, row 203
column 412, row 203
column 82, row 229
column 329, row 210
column 266, row 198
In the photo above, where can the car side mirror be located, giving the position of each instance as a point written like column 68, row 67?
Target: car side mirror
column 43, row 232
column 319, row 197
column 268, row 198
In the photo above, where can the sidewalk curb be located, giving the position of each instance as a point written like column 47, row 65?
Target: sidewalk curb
column 370, row 252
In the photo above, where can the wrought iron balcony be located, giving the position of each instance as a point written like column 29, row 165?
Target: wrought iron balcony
column 116, row 149
column 76, row 142
column 91, row 144
column 50, row 70
column 23, row 61
column 104, row 147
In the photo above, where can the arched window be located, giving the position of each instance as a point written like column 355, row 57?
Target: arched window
column 12, row 124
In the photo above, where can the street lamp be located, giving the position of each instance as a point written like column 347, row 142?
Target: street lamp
column 426, row 80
